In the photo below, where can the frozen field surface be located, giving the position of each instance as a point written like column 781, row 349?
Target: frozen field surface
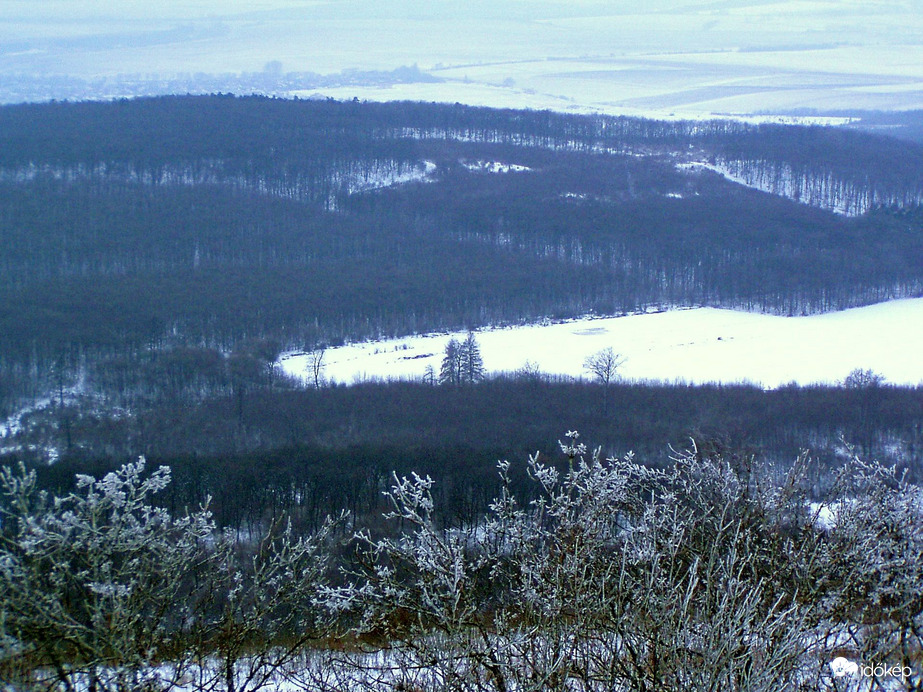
column 691, row 59
column 691, row 345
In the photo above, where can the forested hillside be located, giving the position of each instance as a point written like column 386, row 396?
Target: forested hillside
column 159, row 254
column 168, row 248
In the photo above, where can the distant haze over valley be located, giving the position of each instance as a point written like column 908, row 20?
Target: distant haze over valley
column 685, row 59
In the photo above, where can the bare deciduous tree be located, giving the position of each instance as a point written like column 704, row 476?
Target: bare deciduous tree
column 863, row 379
column 267, row 351
column 316, row 366
column 603, row 365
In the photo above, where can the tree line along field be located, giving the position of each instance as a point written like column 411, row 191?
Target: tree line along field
column 311, row 452
column 216, row 222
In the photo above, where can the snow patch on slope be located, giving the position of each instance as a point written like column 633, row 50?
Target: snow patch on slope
column 782, row 186
column 349, row 179
column 389, row 177
column 824, row 191
column 494, row 167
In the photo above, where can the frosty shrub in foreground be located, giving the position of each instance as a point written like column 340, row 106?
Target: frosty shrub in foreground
column 103, row 590
column 870, row 590
column 256, row 612
column 619, row 577
column 712, row 574
column 95, row 579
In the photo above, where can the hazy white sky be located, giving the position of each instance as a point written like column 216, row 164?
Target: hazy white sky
column 693, row 55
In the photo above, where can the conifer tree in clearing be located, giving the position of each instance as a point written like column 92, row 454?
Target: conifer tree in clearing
column 472, row 365
column 462, row 362
column 450, row 372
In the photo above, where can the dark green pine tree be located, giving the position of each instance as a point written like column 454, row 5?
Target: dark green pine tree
column 451, row 370
column 472, row 365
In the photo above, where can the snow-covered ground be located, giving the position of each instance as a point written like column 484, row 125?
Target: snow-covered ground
column 695, row 58
column 497, row 96
column 494, row 167
column 692, row 345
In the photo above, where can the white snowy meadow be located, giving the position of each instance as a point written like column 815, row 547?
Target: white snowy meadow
column 658, row 58
column 693, row 345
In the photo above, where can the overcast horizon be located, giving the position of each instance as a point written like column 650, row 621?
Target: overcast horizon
column 696, row 57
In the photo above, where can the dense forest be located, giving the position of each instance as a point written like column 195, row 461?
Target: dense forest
column 311, row 452
column 159, row 254
column 215, row 222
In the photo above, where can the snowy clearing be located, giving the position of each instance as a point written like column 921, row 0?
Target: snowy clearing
column 696, row 345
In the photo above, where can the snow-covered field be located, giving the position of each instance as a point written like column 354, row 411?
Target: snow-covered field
column 692, row 345
column 695, row 58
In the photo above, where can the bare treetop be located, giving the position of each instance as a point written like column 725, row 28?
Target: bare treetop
column 604, row 364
